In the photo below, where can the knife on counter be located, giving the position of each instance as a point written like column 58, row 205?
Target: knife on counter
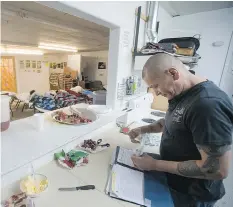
column 85, row 187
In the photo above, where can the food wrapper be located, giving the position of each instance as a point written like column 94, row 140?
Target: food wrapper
column 73, row 158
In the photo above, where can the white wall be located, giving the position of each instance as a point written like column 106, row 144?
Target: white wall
column 213, row 26
column 226, row 82
column 56, row 58
column 163, row 15
column 27, row 81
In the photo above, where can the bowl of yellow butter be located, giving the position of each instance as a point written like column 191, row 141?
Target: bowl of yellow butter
column 34, row 185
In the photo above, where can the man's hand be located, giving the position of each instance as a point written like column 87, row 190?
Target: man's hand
column 135, row 133
column 156, row 127
column 145, row 162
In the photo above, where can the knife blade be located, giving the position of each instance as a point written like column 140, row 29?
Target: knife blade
column 85, row 187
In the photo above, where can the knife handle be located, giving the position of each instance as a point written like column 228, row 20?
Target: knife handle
column 86, row 187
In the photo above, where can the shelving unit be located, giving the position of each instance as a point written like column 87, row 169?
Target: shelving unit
column 140, row 58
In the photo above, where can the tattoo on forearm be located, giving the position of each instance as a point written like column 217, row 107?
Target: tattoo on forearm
column 210, row 167
column 189, row 168
column 214, row 151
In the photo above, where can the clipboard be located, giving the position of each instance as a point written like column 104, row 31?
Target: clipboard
column 155, row 190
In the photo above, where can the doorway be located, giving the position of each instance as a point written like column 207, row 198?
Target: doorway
column 8, row 75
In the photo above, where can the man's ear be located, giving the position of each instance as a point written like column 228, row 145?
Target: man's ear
column 174, row 73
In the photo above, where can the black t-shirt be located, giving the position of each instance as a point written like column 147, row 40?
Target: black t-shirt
column 202, row 115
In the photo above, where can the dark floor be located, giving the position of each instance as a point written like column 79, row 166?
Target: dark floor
column 18, row 114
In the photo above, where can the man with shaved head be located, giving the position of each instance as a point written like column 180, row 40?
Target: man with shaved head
column 196, row 141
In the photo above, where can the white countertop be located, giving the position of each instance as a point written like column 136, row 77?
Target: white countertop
column 22, row 143
column 94, row 173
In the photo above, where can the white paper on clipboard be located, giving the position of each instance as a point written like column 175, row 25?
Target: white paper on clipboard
column 124, row 156
column 128, row 184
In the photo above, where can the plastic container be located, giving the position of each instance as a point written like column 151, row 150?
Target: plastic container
column 39, row 121
column 99, row 97
column 5, row 112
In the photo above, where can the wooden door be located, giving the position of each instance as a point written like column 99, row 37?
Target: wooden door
column 8, row 75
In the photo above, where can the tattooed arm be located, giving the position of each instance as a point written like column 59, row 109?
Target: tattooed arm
column 214, row 164
column 156, row 127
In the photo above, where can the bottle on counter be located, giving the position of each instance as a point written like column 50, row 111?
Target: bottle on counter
column 129, row 86
column 134, row 84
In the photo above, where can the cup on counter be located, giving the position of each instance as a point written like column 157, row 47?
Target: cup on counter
column 39, row 121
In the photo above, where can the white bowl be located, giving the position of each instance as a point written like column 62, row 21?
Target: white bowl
column 38, row 178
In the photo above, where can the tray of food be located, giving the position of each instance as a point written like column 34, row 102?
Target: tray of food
column 80, row 116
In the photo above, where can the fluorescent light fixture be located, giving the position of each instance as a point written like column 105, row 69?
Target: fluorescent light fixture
column 20, row 51
column 54, row 48
column 57, row 47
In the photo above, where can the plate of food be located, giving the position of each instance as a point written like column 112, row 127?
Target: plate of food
column 80, row 116
column 93, row 146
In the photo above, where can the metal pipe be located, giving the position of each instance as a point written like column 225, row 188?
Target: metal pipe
column 153, row 8
column 137, row 30
column 146, row 24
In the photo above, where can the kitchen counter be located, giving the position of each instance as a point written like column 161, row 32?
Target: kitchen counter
column 95, row 173
column 22, row 144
